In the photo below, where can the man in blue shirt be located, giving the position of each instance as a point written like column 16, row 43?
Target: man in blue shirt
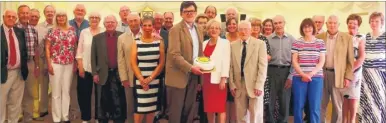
column 79, row 23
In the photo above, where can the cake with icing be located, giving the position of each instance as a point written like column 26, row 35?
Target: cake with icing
column 204, row 63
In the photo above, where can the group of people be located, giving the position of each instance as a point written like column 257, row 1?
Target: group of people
column 142, row 69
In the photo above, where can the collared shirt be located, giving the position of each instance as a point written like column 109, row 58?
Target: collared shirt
column 242, row 46
column 84, row 48
column 111, row 44
column 31, row 36
column 42, row 29
column 194, row 35
column 6, row 31
column 83, row 25
column 281, row 49
column 122, row 27
column 330, row 46
column 138, row 35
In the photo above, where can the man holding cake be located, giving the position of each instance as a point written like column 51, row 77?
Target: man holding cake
column 248, row 71
column 182, row 78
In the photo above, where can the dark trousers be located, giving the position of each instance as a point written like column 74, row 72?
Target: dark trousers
column 114, row 121
column 182, row 101
column 84, row 87
column 110, row 100
column 278, row 77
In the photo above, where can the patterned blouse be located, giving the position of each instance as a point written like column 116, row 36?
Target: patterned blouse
column 63, row 45
column 375, row 52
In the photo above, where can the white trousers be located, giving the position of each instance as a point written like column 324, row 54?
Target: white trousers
column 11, row 96
column 60, row 84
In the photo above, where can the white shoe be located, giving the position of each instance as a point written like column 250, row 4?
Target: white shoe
column 85, row 122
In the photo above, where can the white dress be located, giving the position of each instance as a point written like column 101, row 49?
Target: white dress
column 354, row 89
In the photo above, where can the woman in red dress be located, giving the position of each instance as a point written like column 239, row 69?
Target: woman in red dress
column 214, row 85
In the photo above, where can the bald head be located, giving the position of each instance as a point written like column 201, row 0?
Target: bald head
column 158, row 20
column 332, row 24
column 124, row 11
column 278, row 24
column 79, row 12
column 319, row 21
column 134, row 21
column 231, row 13
column 9, row 18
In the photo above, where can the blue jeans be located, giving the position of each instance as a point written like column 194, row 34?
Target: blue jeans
column 314, row 95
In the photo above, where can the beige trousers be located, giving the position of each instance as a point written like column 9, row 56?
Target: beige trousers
column 244, row 103
column 11, row 96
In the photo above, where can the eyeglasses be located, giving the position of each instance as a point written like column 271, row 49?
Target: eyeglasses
column 214, row 28
column 94, row 17
column 189, row 12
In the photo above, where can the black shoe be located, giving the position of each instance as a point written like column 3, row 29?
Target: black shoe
column 67, row 122
column 43, row 114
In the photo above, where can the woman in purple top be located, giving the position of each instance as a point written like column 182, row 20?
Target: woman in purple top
column 308, row 56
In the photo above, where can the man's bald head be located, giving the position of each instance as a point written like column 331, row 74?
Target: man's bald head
column 124, row 11
column 9, row 18
column 79, row 11
column 319, row 21
column 278, row 24
column 134, row 21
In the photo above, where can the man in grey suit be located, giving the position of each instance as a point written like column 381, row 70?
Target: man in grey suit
column 248, row 72
column 109, row 92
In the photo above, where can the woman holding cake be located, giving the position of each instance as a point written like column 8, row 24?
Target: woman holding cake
column 214, row 84
column 147, row 61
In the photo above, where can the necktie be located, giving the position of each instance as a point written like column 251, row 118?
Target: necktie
column 243, row 55
column 12, row 48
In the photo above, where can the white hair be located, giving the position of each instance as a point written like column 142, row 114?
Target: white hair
column 333, row 17
column 134, row 14
column 34, row 10
column 315, row 16
column 95, row 13
column 232, row 8
column 79, row 5
column 60, row 12
column 8, row 10
column 246, row 23
column 278, row 16
column 158, row 13
column 213, row 22
column 112, row 16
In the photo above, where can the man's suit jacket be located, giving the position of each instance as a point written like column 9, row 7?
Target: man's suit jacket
column 343, row 57
column 255, row 66
column 124, row 45
column 165, row 36
column 4, row 53
column 179, row 56
column 99, row 58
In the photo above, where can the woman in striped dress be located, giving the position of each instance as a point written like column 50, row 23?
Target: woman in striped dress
column 147, row 61
column 373, row 91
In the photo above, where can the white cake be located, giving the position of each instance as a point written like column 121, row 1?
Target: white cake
column 204, row 63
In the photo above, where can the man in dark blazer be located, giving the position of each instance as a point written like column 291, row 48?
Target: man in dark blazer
column 14, row 70
column 109, row 92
